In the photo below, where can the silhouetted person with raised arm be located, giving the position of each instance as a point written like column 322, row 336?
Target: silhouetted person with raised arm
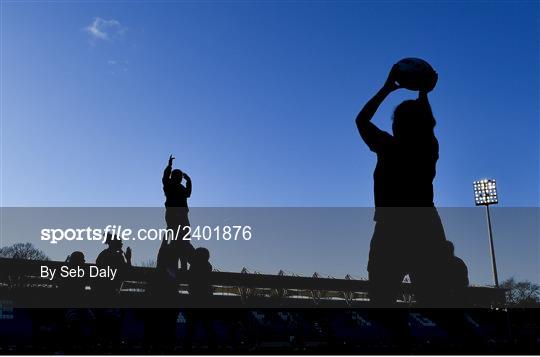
column 408, row 236
column 114, row 256
column 176, row 211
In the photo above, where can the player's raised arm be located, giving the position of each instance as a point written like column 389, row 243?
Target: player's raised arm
column 167, row 171
column 368, row 131
column 188, row 184
column 423, row 98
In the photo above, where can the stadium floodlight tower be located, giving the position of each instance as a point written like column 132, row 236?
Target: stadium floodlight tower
column 485, row 194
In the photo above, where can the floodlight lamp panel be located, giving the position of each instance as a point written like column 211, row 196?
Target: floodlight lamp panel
column 485, row 192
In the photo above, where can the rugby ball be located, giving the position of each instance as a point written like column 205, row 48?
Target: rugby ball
column 416, row 74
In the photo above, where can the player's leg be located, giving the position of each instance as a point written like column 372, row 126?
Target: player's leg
column 385, row 266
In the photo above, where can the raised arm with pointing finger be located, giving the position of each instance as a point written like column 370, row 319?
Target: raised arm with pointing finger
column 167, row 171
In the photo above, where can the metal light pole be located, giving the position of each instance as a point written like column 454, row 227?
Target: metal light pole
column 485, row 194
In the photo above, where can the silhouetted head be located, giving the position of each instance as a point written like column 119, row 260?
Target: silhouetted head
column 202, row 254
column 176, row 176
column 113, row 241
column 413, row 121
column 76, row 258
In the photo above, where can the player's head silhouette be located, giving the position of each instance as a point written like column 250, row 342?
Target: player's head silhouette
column 176, row 176
column 76, row 258
column 113, row 242
column 202, row 254
column 413, row 120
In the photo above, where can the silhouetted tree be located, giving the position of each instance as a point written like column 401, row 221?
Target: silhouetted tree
column 23, row 251
column 521, row 293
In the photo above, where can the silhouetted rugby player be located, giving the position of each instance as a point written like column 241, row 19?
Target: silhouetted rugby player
column 176, row 213
column 406, row 240
column 176, row 195
column 113, row 257
column 78, row 323
column 200, row 292
column 109, row 320
column 160, row 324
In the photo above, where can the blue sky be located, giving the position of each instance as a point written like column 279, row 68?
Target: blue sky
column 257, row 100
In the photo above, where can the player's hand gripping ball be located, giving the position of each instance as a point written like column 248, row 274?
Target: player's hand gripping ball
column 416, row 74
